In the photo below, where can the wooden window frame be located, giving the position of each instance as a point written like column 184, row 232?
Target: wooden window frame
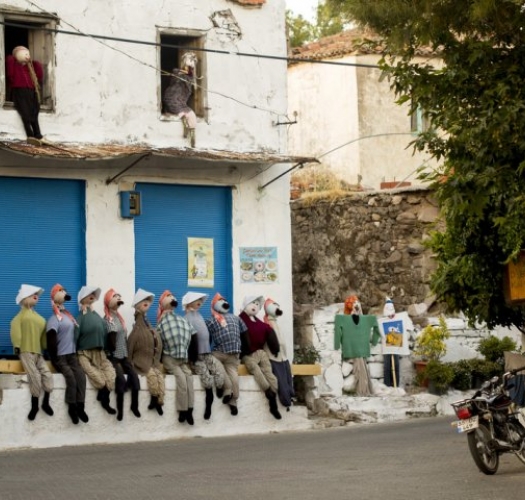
column 192, row 39
column 41, row 44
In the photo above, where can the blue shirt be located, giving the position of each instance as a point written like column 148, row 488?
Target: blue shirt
column 66, row 342
column 227, row 339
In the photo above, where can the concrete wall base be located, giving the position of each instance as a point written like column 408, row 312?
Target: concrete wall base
column 16, row 431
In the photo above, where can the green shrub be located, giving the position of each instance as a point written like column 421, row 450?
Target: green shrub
column 462, row 380
column 440, row 375
column 431, row 342
column 492, row 348
column 306, row 355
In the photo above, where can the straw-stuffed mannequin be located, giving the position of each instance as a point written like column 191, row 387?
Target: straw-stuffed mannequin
column 179, row 344
column 28, row 336
column 25, row 78
column 207, row 366
column 254, row 357
column 176, row 96
column 117, row 348
column 354, row 331
column 62, row 348
column 280, row 364
column 145, row 349
column 90, row 347
column 226, row 330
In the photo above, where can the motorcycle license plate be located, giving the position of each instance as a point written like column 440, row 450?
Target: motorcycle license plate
column 468, row 424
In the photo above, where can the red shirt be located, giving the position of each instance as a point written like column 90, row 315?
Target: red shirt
column 258, row 332
column 18, row 74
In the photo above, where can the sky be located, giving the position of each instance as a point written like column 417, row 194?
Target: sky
column 304, row 7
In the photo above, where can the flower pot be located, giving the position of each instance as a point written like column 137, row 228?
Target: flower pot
column 420, row 368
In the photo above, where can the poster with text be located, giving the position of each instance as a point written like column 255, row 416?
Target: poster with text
column 200, row 262
column 395, row 333
column 259, row 265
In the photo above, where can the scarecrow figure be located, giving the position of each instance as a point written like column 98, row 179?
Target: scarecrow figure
column 225, row 332
column 280, row 364
column 253, row 355
column 62, row 349
column 207, row 366
column 179, row 342
column 117, row 347
column 145, row 349
column 25, row 79
column 176, row 96
column 90, row 347
column 28, row 336
column 354, row 331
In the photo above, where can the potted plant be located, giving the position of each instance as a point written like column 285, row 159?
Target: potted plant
column 430, row 346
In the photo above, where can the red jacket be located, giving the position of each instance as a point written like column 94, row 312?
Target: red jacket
column 18, row 74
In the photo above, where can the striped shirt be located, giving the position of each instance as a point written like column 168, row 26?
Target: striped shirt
column 226, row 339
column 121, row 343
column 176, row 334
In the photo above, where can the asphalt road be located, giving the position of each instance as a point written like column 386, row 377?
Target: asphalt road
column 415, row 459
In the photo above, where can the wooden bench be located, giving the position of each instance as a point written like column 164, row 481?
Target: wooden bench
column 14, row 366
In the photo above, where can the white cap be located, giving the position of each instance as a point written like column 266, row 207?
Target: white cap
column 88, row 290
column 252, row 298
column 192, row 297
column 26, row 291
column 140, row 296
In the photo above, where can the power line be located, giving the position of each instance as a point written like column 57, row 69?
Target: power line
column 194, row 49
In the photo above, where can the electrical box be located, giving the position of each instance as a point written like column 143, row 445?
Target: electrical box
column 130, row 205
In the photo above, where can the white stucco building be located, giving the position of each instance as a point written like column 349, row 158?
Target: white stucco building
column 65, row 208
column 347, row 108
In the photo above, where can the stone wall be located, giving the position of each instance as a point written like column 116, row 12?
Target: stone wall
column 367, row 243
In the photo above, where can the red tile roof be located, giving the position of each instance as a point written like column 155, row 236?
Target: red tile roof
column 349, row 42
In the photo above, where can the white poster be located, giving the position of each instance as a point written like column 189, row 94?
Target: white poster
column 395, row 333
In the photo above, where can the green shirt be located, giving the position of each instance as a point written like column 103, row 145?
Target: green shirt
column 28, row 331
column 91, row 331
column 355, row 338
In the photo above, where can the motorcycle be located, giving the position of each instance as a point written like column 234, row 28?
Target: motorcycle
column 493, row 422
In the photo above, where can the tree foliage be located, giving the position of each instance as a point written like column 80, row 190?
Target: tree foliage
column 300, row 30
column 473, row 93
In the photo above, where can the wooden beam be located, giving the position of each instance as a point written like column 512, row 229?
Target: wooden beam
column 15, row 366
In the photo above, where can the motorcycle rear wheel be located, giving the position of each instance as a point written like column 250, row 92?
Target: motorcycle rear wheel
column 486, row 460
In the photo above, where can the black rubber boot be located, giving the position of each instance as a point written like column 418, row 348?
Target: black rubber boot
column 227, row 399
column 82, row 415
column 34, row 408
column 182, row 416
column 45, row 405
column 120, row 406
column 72, row 412
column 153, row 403
column 189, row 416
column 220, row 392
column 272, row 398
column 159, row 409
column 135, row 403
column 209, row 402
column 233, row 410
column 104, row 401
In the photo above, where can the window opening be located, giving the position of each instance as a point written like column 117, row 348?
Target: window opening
column 170, row 58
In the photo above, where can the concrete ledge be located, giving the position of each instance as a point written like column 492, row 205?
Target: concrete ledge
column 17, row 431
column 15, row 366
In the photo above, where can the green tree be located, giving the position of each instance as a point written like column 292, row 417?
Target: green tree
column 474, row 96
column 300, row 30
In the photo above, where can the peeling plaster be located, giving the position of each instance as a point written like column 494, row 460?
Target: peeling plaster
column 225, row 20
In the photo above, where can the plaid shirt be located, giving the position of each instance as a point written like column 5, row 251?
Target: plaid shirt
column 121, row 344
column 176, row 334
column 226, row 339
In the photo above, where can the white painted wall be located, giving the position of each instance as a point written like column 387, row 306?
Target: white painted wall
column 260, row 218
column 337, row 105
column 17, row 431
column 103, row 95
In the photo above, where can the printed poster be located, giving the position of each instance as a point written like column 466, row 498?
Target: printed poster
column 200, row 262
column 259, row 265
column 395, row 333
